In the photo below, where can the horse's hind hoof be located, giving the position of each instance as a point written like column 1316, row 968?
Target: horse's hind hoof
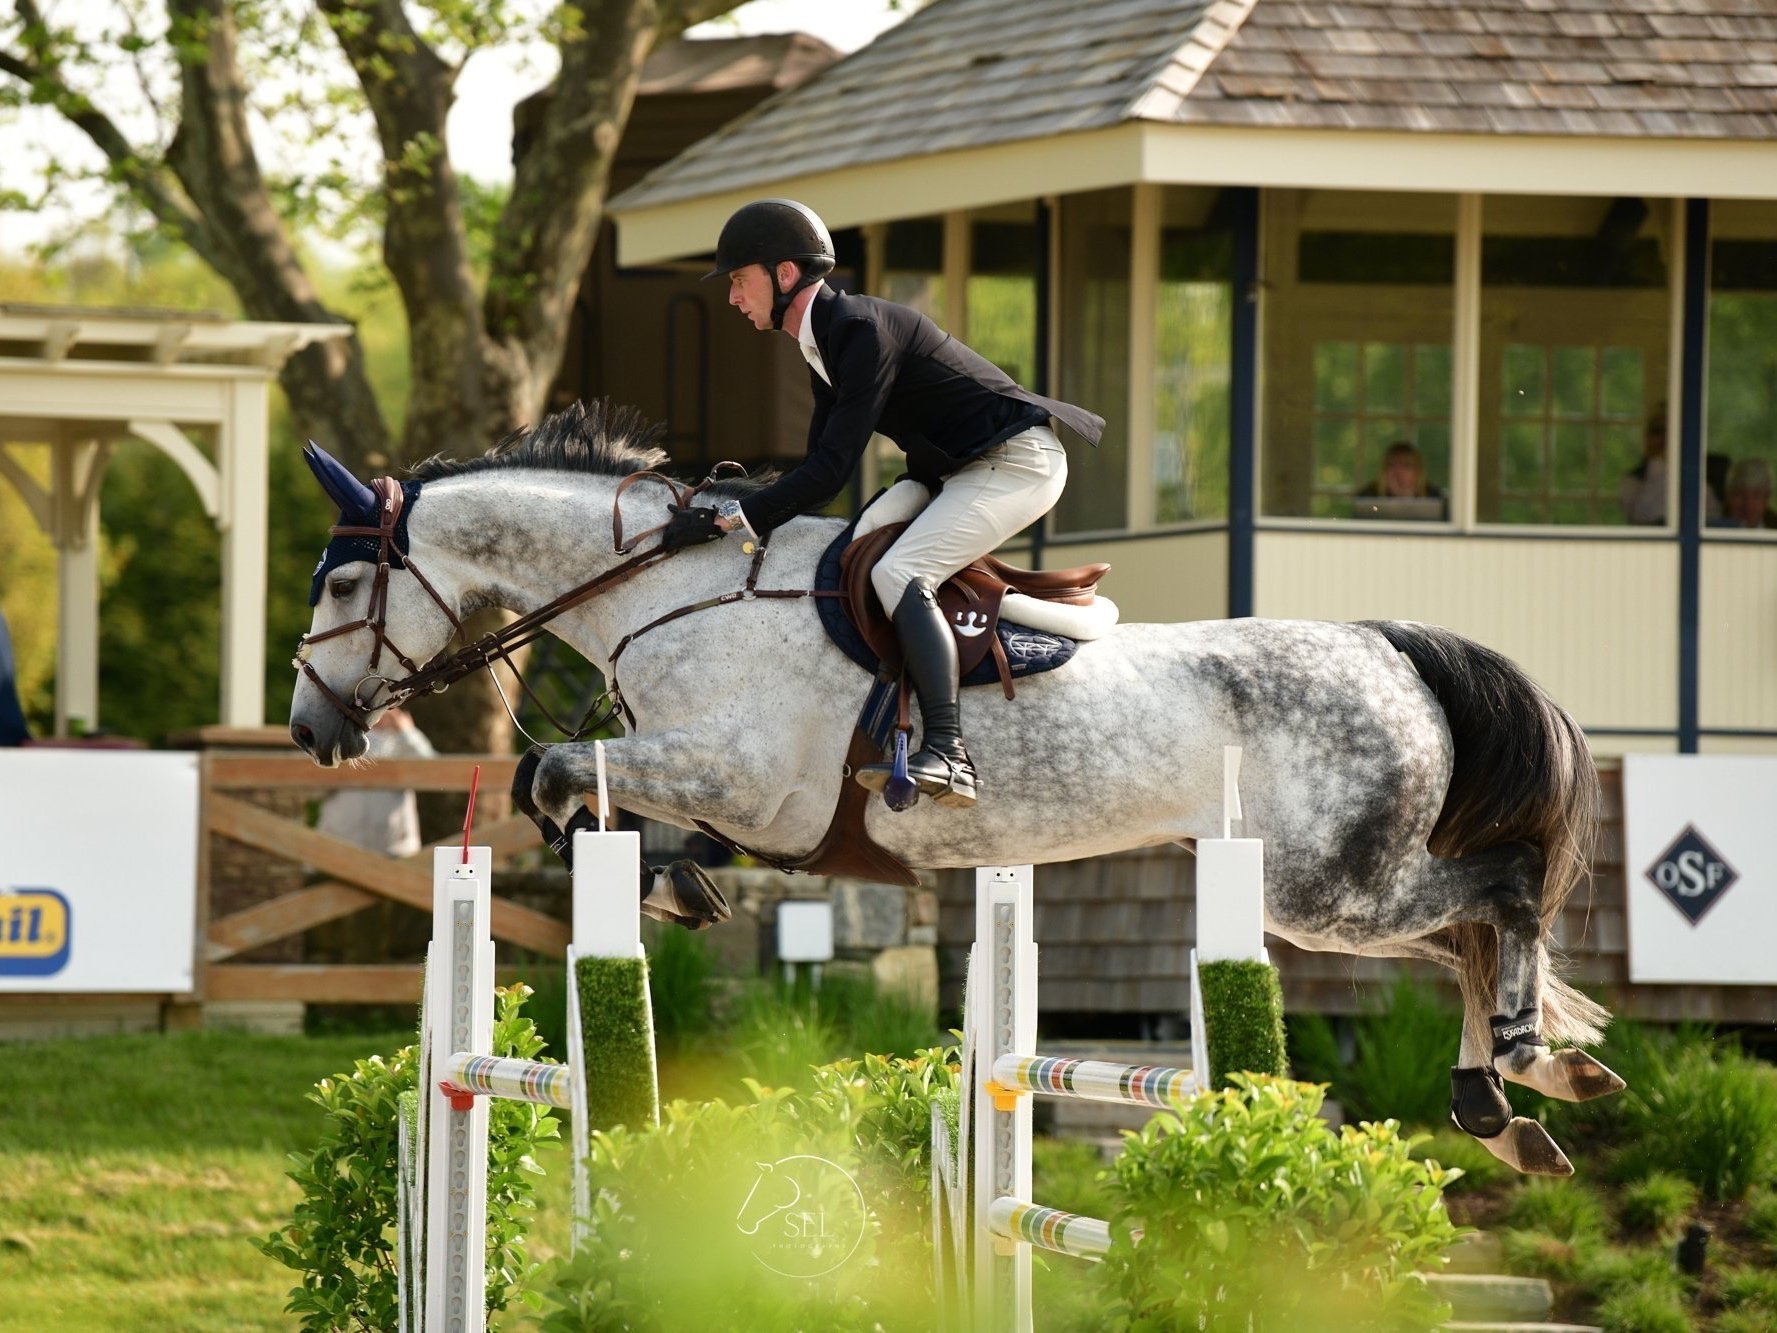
column 1570, row 1075
column 1584, row 1076
column 1524, row 1145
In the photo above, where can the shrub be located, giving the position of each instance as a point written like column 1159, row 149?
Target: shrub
column 1761, row 1217
column 779, row 1039
column 1400, row 1061
column 1605, row 1270
column 342, row 1235
column 1709, row 1113
column 666, row 1248
column 1542, row 1255
column 1250, row 1206
column 1658, row 1205
column 680, row 983
column 1752, row 1288
column 1564, row 1209
column 885, row 1020
column 1480, row 1169
column 1246, row 1034
column 1648, row 1308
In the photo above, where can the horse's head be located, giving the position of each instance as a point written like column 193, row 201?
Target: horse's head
column 376, row 619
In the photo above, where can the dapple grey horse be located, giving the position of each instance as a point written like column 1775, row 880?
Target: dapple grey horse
column 1417, row 794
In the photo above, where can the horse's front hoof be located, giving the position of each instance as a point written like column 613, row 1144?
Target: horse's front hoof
column 686, row 896
column 1585, row 1077
column 1524, row 1145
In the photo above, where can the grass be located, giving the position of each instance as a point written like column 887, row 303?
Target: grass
column 137, row 1172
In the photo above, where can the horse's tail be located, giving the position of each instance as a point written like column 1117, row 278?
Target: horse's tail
column 1522, row 772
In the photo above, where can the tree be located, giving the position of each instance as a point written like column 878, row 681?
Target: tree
column 214, row 74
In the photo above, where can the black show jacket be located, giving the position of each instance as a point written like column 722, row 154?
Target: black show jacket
column 896, row 372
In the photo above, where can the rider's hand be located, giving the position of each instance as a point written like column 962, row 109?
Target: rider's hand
column 690, row 526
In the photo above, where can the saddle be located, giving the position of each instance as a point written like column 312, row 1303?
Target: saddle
column 970, row 600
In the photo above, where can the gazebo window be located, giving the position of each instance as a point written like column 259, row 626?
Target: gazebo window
column 1093, row 338
column 913, row 265
column 1575, row 321
column 1193, row 345
column 1742, row 395
column 1359, row 289
column 1001, row 289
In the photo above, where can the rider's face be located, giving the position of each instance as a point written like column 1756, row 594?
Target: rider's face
column 750, row 290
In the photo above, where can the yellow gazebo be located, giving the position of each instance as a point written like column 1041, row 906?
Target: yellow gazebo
column 193, row 386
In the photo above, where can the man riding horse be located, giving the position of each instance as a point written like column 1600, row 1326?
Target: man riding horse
column 982, row 459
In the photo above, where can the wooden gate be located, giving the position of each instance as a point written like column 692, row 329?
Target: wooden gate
column 357, row 878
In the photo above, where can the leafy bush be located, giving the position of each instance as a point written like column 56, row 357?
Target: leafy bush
column 342, row 1235
column 1658, row 1205
column 667, row 1249
column 1251, row 1207
column 1480, row 1169
column 1648, row 1308
column 1402, row 1053
column 1246, row 1035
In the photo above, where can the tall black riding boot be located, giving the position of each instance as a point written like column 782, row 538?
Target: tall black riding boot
column 942, row 767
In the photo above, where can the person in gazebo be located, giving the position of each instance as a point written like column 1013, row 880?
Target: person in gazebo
column 1402, row 477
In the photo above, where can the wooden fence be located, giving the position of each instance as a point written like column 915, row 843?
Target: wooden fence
column 356, row 878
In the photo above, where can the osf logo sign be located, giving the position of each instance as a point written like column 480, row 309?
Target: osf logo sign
column 36, row 932
column 1692, row 874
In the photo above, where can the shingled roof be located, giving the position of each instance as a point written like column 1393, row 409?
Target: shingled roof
column 976, row 73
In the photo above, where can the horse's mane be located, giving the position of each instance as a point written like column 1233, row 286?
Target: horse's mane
column 596, row 437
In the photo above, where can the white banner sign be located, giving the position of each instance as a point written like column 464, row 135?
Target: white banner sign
column 1700, row 854
column 98, row 870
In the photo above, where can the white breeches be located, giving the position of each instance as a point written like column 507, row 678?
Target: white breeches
column 982, row 503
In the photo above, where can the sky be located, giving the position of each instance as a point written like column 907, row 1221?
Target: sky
column 480, row 125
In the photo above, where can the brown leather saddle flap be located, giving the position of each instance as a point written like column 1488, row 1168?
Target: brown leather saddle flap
column 970, row 599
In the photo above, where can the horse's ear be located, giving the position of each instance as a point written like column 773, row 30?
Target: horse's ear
column 354, row 498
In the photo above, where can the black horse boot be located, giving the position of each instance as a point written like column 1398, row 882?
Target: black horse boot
column 942, row 767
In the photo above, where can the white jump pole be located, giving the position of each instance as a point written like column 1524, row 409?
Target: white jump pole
column 460, row 1000
column 1004, row 990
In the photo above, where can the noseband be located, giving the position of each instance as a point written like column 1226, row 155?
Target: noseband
column 446, row 668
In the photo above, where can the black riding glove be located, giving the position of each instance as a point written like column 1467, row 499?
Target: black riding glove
column 690, row 526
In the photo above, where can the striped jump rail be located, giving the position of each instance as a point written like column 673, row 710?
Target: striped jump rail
column 517, row 1080
column 1048, row 1228
column 1015, row 1076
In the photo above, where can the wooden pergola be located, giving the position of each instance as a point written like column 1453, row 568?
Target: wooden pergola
column 195, row 387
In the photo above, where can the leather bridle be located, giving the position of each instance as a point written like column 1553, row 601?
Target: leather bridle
column 446, row 667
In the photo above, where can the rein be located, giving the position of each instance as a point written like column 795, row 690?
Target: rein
column 446, row 668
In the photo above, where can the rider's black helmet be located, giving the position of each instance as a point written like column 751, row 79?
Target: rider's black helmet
column 769, row 231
